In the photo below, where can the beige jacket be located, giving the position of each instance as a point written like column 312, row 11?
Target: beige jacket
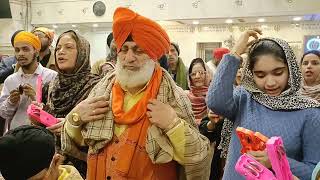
column 196, row 162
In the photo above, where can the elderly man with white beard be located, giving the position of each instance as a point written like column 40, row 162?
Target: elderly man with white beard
column 137, row 123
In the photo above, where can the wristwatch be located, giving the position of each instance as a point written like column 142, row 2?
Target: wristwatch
column 76, row 118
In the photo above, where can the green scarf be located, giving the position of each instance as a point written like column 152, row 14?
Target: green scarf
column 181, row 76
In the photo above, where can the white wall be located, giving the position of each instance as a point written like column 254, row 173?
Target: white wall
column 18, row 21
column 188, row 40
column 187, row 37
column 97, row 40
column 71, row 11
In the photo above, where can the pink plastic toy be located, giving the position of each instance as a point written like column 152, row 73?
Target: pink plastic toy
column 41, row 116
column 278, row 159
column 37, row 113
column 39, row 89
column 251, row 169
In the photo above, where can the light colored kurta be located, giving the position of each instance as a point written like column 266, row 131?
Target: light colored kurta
column 16, row 115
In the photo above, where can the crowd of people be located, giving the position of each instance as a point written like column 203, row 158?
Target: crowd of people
column 140, row 113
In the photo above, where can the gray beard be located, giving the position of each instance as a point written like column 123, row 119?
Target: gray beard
column 132, row 79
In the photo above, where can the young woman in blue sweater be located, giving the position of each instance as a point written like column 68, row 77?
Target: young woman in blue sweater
column 268, row 101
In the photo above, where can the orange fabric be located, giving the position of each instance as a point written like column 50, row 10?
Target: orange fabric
column 148, row 34
column 136, row 118
column 103, row 165
column 126, row 157
column 29, row 38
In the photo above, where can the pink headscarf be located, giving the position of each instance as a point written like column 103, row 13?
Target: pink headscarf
column 197, row 95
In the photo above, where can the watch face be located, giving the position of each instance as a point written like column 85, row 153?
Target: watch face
column 99, row 8
column 75, row 117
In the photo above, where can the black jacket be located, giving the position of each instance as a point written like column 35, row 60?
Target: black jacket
column 7, row 67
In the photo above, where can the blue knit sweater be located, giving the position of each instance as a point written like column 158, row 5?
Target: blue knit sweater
column 300, row 129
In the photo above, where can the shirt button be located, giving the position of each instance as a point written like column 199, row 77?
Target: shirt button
column 113, row 159
column 108, row 177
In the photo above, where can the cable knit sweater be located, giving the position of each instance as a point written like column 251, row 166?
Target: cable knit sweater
column 299, row 129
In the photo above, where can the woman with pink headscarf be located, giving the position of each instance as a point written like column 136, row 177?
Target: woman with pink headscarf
column 210, row 124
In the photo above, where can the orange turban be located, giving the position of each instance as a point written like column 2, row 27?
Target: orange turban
column 29, row 38
column 49, row 33
column 148, row 34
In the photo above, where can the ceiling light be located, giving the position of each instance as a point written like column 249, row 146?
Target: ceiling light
column 195, row 22
column 261, row 20
column 73, row 25
column 95, row 25
column 229, row 21
column 297, row 18
column 55, row 26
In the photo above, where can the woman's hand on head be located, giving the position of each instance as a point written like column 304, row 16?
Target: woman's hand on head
column 243, row 42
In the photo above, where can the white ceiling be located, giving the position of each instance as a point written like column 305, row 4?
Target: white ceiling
column 211, row 21
column 239, row 20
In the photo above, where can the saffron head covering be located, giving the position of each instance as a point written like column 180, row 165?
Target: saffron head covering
column 148, row 34
column 13, row 36
column 29, row 38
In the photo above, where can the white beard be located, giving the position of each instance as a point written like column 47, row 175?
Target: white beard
column 132, row 79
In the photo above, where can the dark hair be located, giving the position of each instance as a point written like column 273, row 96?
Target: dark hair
column 109, row 39
column 13, row 36
column 176, row 46
column 194, row 62
column 265, row 47
column 315, row 52
column 163, row 61
column 33, row 147
column 129, row 38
